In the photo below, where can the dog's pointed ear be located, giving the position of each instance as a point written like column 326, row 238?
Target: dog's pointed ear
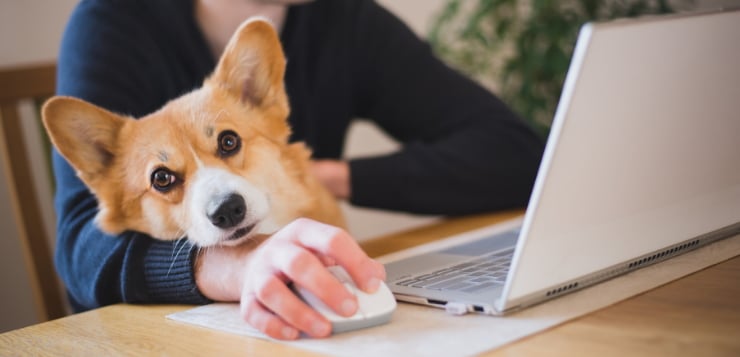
column 83, row 133
column 253, row 65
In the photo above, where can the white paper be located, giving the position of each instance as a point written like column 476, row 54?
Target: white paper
column 425, row 331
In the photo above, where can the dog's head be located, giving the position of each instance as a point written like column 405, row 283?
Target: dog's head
column 204, row 165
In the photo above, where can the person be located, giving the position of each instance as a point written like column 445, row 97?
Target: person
column 463, row 150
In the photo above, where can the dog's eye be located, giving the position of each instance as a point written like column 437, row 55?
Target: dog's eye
column 228, row 143
column 163, row 180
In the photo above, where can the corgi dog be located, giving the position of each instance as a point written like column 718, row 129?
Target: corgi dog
column 213, row 165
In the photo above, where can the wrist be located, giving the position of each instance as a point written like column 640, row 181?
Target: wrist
column 334, row 175
column 220, row 270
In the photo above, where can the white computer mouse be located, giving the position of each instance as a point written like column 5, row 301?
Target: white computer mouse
column 374, row 309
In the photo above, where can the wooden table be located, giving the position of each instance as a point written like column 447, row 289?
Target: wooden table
column 698, row 315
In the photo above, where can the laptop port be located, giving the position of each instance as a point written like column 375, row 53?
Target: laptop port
column 437, row 302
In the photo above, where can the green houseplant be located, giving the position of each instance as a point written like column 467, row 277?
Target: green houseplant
column 523, row 47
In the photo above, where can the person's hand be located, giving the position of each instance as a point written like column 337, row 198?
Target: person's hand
column 298, row 253
column 334, row 175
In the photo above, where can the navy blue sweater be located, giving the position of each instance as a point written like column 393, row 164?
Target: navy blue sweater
column 463, row 150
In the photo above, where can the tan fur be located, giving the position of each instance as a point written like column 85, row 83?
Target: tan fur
column 115, row 155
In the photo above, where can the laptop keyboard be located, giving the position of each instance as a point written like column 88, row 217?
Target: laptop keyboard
column 479, row 274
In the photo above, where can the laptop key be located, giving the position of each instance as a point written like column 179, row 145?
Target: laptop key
column 459, row 286
column 425, row 283
column 407, row 282
column 481, row 287
column 447, row 284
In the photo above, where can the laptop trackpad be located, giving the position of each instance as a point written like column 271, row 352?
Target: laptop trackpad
column 489, row 244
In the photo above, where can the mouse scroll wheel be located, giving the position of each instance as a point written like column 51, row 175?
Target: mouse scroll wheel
column 349, row 288
column 340, row 274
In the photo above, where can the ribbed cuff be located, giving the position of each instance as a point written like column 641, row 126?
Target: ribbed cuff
column 169, row 275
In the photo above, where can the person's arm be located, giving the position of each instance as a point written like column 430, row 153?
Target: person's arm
column 104, row 60
column 463, row 150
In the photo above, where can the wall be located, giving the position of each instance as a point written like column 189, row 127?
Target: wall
column 30, row 29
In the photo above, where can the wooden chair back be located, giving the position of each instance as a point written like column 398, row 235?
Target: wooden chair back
column 16, row 85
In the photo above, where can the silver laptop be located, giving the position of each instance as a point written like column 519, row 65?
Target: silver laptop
column 642, row 164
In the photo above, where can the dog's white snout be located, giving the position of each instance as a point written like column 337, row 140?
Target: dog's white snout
column 223, row 207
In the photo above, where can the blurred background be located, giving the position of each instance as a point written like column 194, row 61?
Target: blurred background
column 518, row 48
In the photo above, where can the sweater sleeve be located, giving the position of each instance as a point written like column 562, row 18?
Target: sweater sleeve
column 463, row 150
column 97, row 62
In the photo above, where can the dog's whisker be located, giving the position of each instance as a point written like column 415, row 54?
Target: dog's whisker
column 175, row 247
column 178, row 251
column 198, row 249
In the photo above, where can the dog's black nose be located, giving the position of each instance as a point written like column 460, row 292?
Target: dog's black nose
column 230, row 213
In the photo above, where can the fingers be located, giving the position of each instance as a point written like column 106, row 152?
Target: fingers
column 260, row 318
column 275, row 310
column 303, row 268
column 326, row 260
column 338, row 245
